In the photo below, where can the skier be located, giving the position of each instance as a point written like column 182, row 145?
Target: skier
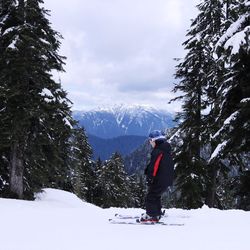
column 159, row 174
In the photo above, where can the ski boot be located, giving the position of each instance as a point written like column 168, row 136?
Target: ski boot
column 145, row 218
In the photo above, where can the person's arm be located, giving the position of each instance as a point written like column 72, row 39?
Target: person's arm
column 153, row 166
column 157, row 164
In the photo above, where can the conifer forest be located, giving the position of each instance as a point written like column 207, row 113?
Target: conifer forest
column 42, row 146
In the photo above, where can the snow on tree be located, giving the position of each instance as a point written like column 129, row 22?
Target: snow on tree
column 198, row 76
column 212, row 139
column 233, row 48
column 34, row 124
column 113, row 184
column 83, row 176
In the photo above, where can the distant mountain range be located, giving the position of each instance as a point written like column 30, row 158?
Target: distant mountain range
column 122, row 120
column 121, row 128
column 125, row 145
column 137, row 161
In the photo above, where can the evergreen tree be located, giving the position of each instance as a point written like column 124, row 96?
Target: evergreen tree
column 201, row 76
column 233, row 51
column 243, row 191
column 4, row 178
column 114, row 183
column 98, row 192
column 233, row 136
column 138, row 190
column 83, row 171
column 215, row 97
column 210, row 25
column 35, row 114
column 190, row 167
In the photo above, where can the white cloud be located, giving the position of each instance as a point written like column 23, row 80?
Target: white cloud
column 120, row 50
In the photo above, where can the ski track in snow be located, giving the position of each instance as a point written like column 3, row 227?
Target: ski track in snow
column 58, row 220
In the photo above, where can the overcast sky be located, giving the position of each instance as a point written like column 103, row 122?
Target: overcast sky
column 120, row 51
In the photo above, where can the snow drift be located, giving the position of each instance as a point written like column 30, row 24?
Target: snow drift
column 58, row 220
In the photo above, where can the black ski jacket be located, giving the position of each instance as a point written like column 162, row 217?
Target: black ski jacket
column 160, row 169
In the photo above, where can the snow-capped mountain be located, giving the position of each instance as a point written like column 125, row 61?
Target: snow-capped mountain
column 123, row 120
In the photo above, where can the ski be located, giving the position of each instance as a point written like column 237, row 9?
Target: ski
column 124, row 216
column 158, row 223
column 123, row 222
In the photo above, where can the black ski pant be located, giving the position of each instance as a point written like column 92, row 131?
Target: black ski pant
column 153, row 199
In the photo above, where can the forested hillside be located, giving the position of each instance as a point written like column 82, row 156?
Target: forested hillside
column 125, row 145
column 211, row 145
column 41, row 145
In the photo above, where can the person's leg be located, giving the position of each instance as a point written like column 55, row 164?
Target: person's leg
column 153, row 201
column 159, row 206
column 163, row 189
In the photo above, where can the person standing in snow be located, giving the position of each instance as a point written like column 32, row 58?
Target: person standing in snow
column 159, row 174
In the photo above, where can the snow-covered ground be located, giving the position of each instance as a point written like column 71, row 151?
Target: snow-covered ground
column 58, row 220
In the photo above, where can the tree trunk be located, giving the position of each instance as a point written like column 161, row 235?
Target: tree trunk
column 212, row 189
column 16, row 170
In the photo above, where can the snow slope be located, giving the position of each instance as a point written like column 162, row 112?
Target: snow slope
column 58, row 220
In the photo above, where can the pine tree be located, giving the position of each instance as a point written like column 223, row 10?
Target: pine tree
column 233, row 135
column 189, row 164
column 114, row 183
column 243, row 191
column 233, row 51
column 138, row 191
column 35, row 111
column 98, row 192
column 83, row 171
column 210, row 25
column 4, row 178
column 220, row 87
column 200, row 77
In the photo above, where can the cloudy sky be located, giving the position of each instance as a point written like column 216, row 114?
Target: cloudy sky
column 121, row 51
